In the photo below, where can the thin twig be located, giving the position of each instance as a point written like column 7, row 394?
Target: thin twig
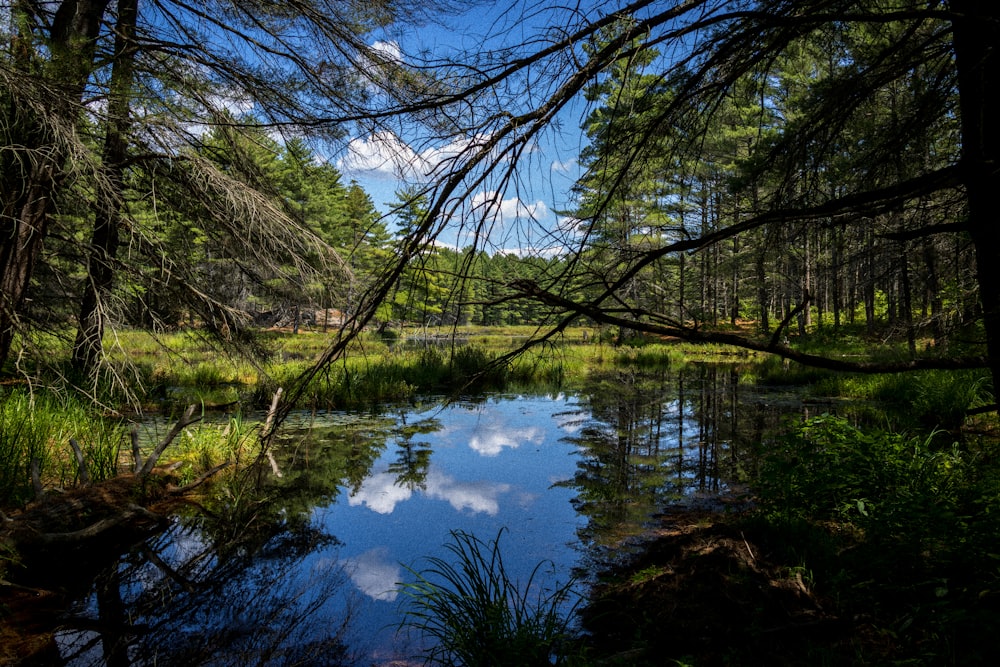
column 749, row 550
column 201, row 479
column 187, row 419
column 81, row 463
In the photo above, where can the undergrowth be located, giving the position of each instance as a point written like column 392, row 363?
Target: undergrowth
column 35, row 433
column 898, row 531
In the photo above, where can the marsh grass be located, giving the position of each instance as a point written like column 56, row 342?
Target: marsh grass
column 184, row 367
column 370, row 379
column 935, row 399
column 23, row 438
column 207, row 445
column 38, row 427
column 475, row 614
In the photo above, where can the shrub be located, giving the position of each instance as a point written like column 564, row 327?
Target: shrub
column 894, row 528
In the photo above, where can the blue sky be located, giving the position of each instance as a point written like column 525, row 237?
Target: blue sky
column 520, row 214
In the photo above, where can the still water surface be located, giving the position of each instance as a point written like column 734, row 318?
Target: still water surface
column 308, row 573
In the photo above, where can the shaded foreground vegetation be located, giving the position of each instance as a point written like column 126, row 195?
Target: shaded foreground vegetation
column 859, row 546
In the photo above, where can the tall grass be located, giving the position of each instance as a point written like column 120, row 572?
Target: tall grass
column 934, row 398
column 476, row 615
column 23, row 439
column 209, row 444
column 37, row 428
column 182, row 368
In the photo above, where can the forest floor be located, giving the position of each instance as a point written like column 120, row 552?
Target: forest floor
column 705, row 591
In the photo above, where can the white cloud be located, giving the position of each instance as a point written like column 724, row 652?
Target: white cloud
column 389, row 50
column 385, row 154
column 532, row 251
column 563, row 166
column 489, row 440
column 476, row 496
column 491, row 206
column 380, row 493
column 380, row 154
column 571, row 225
column 374, row 574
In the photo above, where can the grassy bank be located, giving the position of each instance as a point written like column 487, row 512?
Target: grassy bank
column 170, row 371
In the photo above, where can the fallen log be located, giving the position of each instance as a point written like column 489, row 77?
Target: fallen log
column 88, row 512
column 131, row 512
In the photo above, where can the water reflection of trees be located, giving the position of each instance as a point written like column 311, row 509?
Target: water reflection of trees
column 413, row 459
column 236, row 582
column 223, row 589
column 659, row 436
column 323, row 457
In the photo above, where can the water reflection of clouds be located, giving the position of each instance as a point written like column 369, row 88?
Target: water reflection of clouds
column 374, row 574
column 381, row 494
column 526, row 499
column 571, row 422
column 490, row 439
column 476, row 496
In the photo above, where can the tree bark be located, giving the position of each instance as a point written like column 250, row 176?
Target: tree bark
column 976, row 37
column 107, row 222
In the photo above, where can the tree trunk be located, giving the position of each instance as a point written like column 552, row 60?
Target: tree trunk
column 835, row 278
column 869, row 281
column 763, row 301
column 104, row 242
column 807, row 287
column 906, row 300
column 977, row 36
column 33, row 175
column 25, row 222
column 932, row 291
column 734, row 307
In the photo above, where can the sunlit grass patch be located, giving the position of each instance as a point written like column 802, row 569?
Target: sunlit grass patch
column 35, row 429
column 206, row 445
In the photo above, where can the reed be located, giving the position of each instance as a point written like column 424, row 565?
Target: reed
column 206, row 446
column 475, row 614
column 938, row 399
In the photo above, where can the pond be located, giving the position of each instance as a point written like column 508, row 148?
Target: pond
column 304, row 568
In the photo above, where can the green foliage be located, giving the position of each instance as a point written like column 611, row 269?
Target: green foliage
column 478, row 616
column 828, row 469
column 891, row 527
column 24, row 437
column 209, row 444
column 935, row 399
column 944, row 397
